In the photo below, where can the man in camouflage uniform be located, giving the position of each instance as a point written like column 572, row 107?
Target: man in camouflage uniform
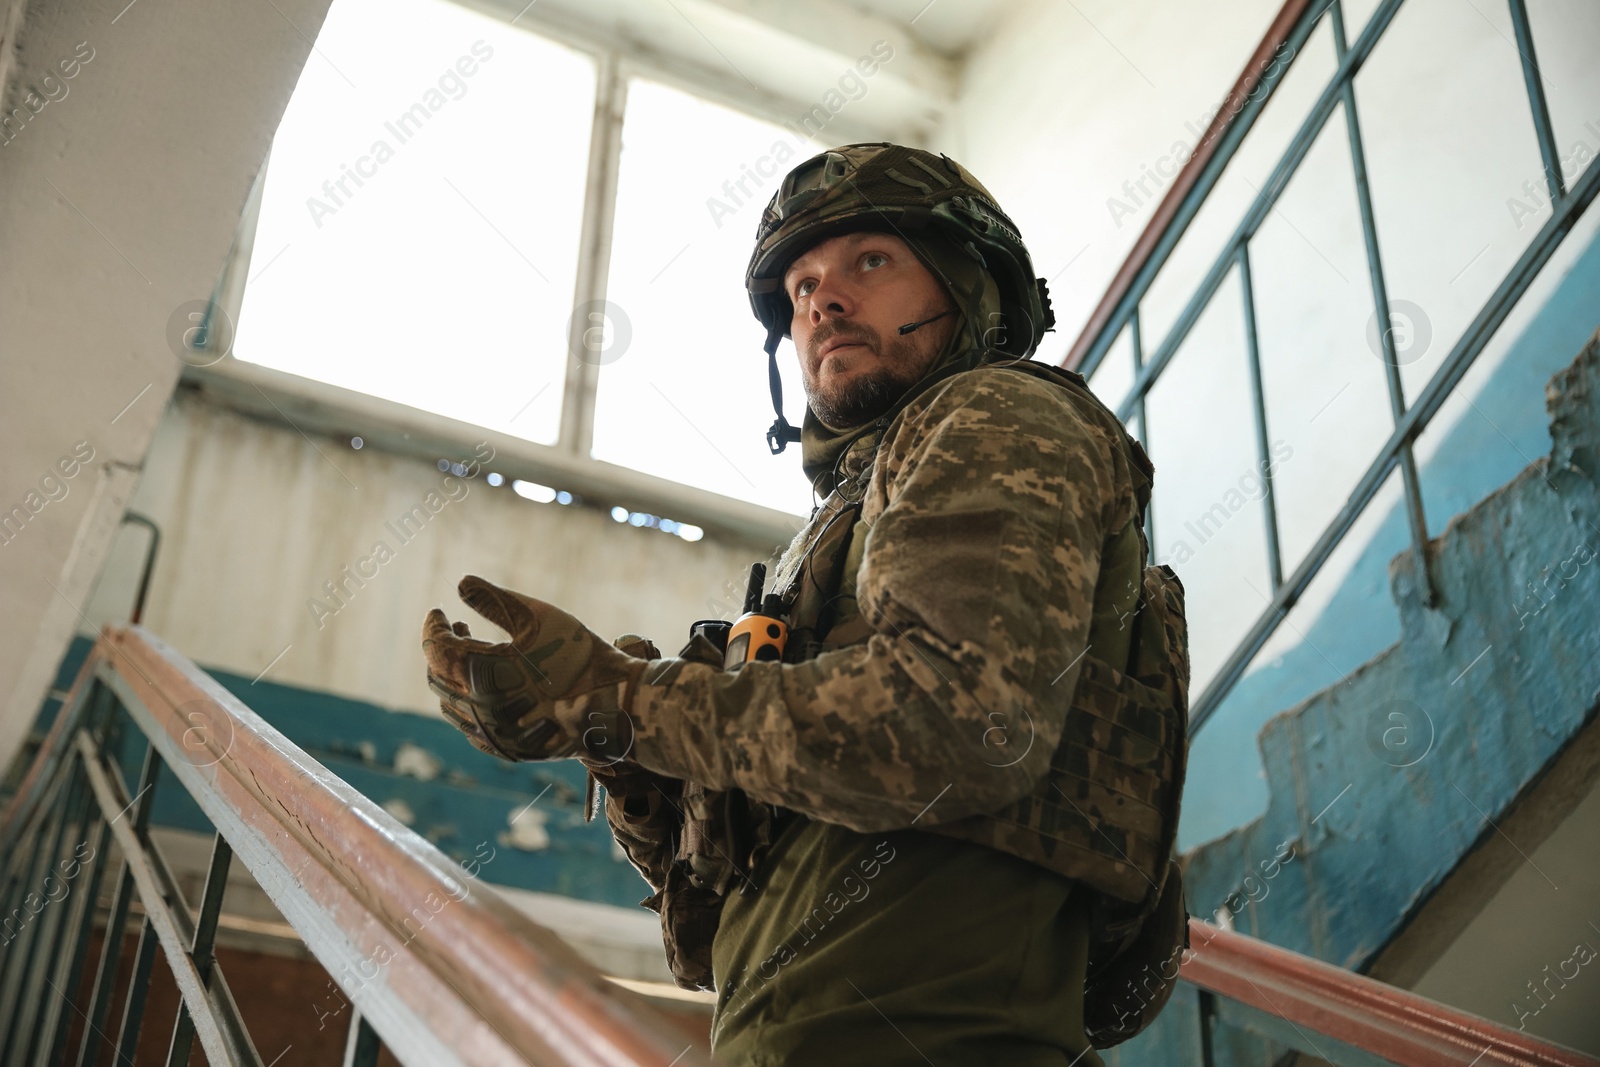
column 902, row 842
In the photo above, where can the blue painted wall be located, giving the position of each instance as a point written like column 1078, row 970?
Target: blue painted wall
column 1381, row 785
column 1481, row 452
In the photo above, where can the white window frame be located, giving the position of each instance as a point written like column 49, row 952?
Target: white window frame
column 312, row 406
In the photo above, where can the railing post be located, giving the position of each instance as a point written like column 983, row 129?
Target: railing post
column 25, row 865
column 144, row 957
column 1208, row 1025
column 81, row 921
column 63, row 960
column 75, row 817
column 144, row 960
column 201, row 945
column 1536, row 101
column 21, row 990
column 1253, row 350
column 111, row 947
column 361, row 1042
column 1380, row 299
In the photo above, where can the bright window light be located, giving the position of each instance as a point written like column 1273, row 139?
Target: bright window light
column 539, row 494
column 687, row 398
column 419, row 228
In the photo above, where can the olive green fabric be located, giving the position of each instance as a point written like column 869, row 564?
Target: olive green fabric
column 900, row 948
column 903, row 946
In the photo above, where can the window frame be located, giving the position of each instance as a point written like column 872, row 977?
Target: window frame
column 567, row 462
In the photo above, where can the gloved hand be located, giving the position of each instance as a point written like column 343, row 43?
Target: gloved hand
column 553, row 690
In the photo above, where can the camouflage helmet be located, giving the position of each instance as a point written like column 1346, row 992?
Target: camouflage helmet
column 909, row 191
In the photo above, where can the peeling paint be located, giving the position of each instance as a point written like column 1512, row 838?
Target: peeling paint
column 400, row 810
column 417, row 762
column 527, row 830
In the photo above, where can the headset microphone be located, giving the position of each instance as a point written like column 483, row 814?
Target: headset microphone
column 908, row 327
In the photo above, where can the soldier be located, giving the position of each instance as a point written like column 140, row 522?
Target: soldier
column 949, row 808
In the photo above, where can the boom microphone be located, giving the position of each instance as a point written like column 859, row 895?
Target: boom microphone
column 908, row 327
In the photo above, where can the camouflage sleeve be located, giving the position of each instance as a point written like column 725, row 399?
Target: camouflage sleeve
column 991, row 500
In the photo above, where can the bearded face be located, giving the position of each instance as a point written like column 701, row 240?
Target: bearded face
column 851, row 294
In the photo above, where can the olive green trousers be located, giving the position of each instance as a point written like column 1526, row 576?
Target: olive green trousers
column 900, row 948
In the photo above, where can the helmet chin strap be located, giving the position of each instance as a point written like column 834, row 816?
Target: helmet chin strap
column 781, row 433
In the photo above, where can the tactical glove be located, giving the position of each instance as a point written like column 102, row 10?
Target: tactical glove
column 553, row 690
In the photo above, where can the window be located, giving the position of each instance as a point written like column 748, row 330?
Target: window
column 420, row 221
column 687, row 399
column 420, row 230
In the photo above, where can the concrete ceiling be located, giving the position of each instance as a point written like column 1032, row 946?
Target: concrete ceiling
column 778, row 58
column 951, row 28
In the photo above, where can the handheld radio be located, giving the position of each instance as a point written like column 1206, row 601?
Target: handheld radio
column 761, row 632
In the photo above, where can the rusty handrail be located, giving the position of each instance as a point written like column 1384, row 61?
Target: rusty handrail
column 473, row 981
column 1277, row 34
column 457, row 967
column 1354, row 1010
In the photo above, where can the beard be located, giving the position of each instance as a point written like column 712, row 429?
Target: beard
column 864, row 397
column 857, row 401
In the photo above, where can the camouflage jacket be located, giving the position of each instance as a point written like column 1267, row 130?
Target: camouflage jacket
column 988, row 503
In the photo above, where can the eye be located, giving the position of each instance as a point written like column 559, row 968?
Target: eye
column 873, row 259
column 804, row 288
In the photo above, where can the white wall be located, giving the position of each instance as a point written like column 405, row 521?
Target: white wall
column 118, row 201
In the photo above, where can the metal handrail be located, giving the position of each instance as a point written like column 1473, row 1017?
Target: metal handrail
column 1171, row 219
column 437, row 965
column 1120, row 308
column 147, row 571
column 476, row 982
column 1361, row 1019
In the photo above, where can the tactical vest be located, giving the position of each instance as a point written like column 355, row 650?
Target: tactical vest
column 1106, row 814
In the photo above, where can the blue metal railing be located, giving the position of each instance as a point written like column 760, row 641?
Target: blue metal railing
column 1120, row 309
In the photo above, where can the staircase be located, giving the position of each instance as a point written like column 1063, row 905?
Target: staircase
column 1404, row 797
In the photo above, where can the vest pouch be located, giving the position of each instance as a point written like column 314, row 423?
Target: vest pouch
column 1123, row 994
column 689, row 918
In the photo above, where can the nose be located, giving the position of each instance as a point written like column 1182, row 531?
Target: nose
column 830, row 300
